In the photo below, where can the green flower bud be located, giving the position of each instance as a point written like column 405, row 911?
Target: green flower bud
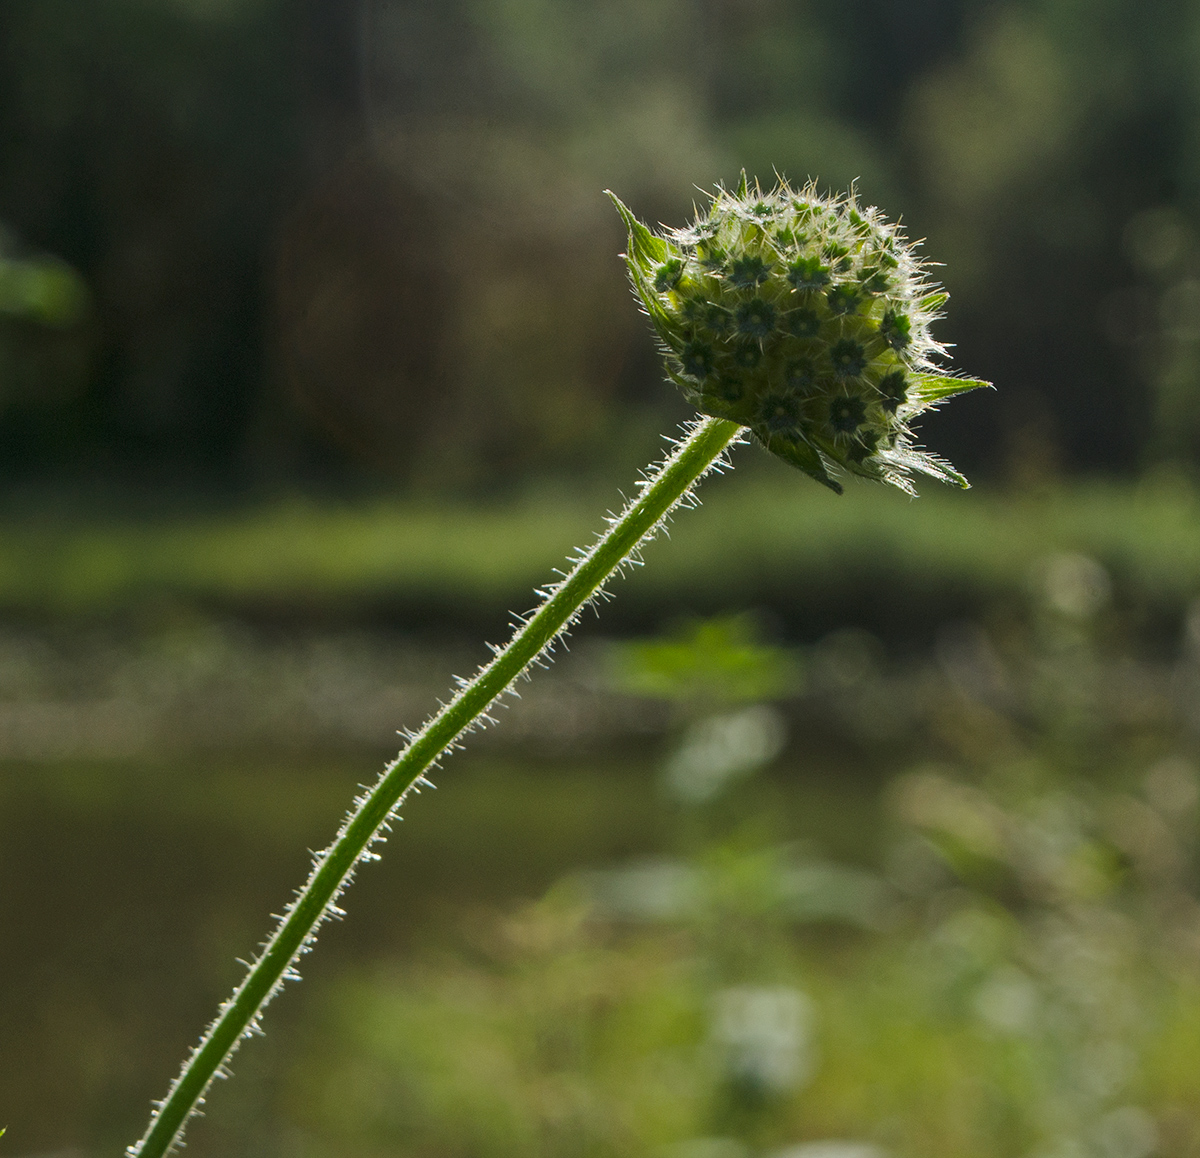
column 805, row 318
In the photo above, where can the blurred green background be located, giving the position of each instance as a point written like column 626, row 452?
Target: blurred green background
column 853, row 827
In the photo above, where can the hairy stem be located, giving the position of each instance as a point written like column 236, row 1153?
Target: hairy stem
column 661, row 492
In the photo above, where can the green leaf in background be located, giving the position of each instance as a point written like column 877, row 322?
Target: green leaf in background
column 43, row 290
column 720, row 659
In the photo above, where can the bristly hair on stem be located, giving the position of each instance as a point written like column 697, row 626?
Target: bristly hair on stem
column 800, row 319
column 660, row 491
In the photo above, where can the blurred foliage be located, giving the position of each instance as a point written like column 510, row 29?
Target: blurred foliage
column 325, row 238
column 1018, row 975
column 887, row 564
column 42, row 291
column 715, row 661
column 47, row 328
column 934, row 901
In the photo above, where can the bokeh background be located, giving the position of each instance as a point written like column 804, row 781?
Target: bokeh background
column 852, row 827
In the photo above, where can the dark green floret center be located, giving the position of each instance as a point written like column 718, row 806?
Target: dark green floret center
column 896, row 330
column 894, row 389
column 799, row 374
column 756, row 318
column 843, row 299
column 846, row 415
column 808, row 273
column 717, row 318
column 747, row 355
column 748, row 272
column 729, row 389
column 780, row 413
column 849, row 358
column 804, row 323
column 697, row 360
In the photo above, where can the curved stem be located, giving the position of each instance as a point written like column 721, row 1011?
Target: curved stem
column 661, row 492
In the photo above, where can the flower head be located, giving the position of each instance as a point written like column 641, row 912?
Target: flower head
column 805, row 318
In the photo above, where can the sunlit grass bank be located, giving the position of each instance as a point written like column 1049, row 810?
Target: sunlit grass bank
column 756, row 537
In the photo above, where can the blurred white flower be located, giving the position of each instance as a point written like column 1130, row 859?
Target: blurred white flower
column 720, row 749
column 764, row 1034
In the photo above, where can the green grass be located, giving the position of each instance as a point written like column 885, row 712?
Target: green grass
column 757, row 534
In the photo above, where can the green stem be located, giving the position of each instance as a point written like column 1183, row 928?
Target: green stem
column 238, row 1017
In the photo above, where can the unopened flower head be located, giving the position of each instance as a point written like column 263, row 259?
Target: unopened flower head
column 805, row 318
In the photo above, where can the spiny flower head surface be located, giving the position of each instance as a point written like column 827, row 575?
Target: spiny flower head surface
column 805, row 318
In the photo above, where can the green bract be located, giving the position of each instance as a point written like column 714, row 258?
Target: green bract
column 806, row 319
